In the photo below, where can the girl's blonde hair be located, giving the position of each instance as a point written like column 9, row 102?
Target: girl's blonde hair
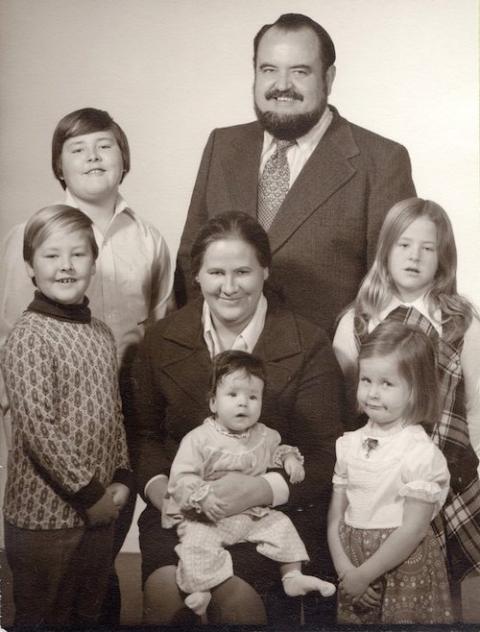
column 378, row 287
column 415, row 354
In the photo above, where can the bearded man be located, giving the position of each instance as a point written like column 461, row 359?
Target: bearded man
column 318, row 184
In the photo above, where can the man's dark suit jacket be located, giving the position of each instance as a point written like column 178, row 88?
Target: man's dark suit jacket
column 324, row 236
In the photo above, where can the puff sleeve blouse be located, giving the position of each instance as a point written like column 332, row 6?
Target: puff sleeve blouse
column 377, row 473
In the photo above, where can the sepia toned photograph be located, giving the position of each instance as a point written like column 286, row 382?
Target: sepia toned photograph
column 239, row 314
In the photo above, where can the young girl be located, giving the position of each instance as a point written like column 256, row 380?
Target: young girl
column 413, row 280
column 390, row 481
column 68, row 472
column 232, row 439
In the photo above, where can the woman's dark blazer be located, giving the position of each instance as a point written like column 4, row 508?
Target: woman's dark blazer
column 301, row 400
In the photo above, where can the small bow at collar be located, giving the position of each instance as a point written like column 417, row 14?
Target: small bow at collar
column 369, row 444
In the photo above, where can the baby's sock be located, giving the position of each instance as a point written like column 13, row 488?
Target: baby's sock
column 295, row 583
column 198, row 602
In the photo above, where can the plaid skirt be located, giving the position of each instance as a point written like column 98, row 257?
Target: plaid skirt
column 416, row 591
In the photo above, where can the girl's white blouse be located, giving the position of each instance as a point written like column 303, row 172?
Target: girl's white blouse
column 377, row 481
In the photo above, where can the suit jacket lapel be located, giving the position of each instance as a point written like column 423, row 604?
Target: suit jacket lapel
column 327, row 169
column 241, row 168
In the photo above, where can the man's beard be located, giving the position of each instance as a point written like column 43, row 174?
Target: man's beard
column 288, row 126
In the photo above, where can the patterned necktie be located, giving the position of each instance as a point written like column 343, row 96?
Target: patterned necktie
column 274, row 184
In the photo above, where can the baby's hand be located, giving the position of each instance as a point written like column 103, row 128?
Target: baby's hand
column 212, row 507
column 119, row 493
column 294, row 468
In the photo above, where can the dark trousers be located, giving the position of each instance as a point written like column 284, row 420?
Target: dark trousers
column 60, row 575
column 112, row 603
column 111, row 607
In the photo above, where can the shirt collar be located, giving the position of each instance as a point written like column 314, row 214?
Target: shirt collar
column 308, row 141
column 246, row 339
column 420, row 304
column 120, row 203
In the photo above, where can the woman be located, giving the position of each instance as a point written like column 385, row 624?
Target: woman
column 230, row 260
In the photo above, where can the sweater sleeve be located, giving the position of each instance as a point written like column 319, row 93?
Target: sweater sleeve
column 30, row 379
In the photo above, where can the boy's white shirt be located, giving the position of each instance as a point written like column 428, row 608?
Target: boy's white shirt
column 346, row 353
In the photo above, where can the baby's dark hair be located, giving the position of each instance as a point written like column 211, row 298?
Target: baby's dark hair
column 229, row 362
column 416, row 364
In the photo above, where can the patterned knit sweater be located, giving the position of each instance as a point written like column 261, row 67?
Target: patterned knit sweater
column 68, row 436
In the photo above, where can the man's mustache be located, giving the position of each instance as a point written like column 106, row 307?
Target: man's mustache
column 287, row 94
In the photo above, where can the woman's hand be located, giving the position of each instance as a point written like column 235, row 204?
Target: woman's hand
column 119, row 493
column 238, row 492
column 156, row 491
column 212, row 507
column 294, row 468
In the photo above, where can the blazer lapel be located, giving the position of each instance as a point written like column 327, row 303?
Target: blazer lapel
column 241, row 168
column 188, row 362
column 327, row 169
column 278, row 351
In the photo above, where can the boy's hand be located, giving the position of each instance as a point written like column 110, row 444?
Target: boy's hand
column 103, row 511
column 294, row 468
column 212, row 507
column 119, row 493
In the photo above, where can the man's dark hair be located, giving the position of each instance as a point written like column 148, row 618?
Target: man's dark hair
column 295, row 22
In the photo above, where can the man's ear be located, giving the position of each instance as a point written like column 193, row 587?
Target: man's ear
column 330, row 78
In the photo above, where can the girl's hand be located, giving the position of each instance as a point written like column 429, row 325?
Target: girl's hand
column 119, row 493
column 212, row 507
column 294, row 468
column 371, row 598
column 354, row 583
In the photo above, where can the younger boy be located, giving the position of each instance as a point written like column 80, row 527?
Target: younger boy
column 68, row 473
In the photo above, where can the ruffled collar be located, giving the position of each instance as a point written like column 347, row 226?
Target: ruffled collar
column 75, row 313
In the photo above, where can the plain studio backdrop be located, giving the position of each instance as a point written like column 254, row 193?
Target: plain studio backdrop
column 169, row 71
